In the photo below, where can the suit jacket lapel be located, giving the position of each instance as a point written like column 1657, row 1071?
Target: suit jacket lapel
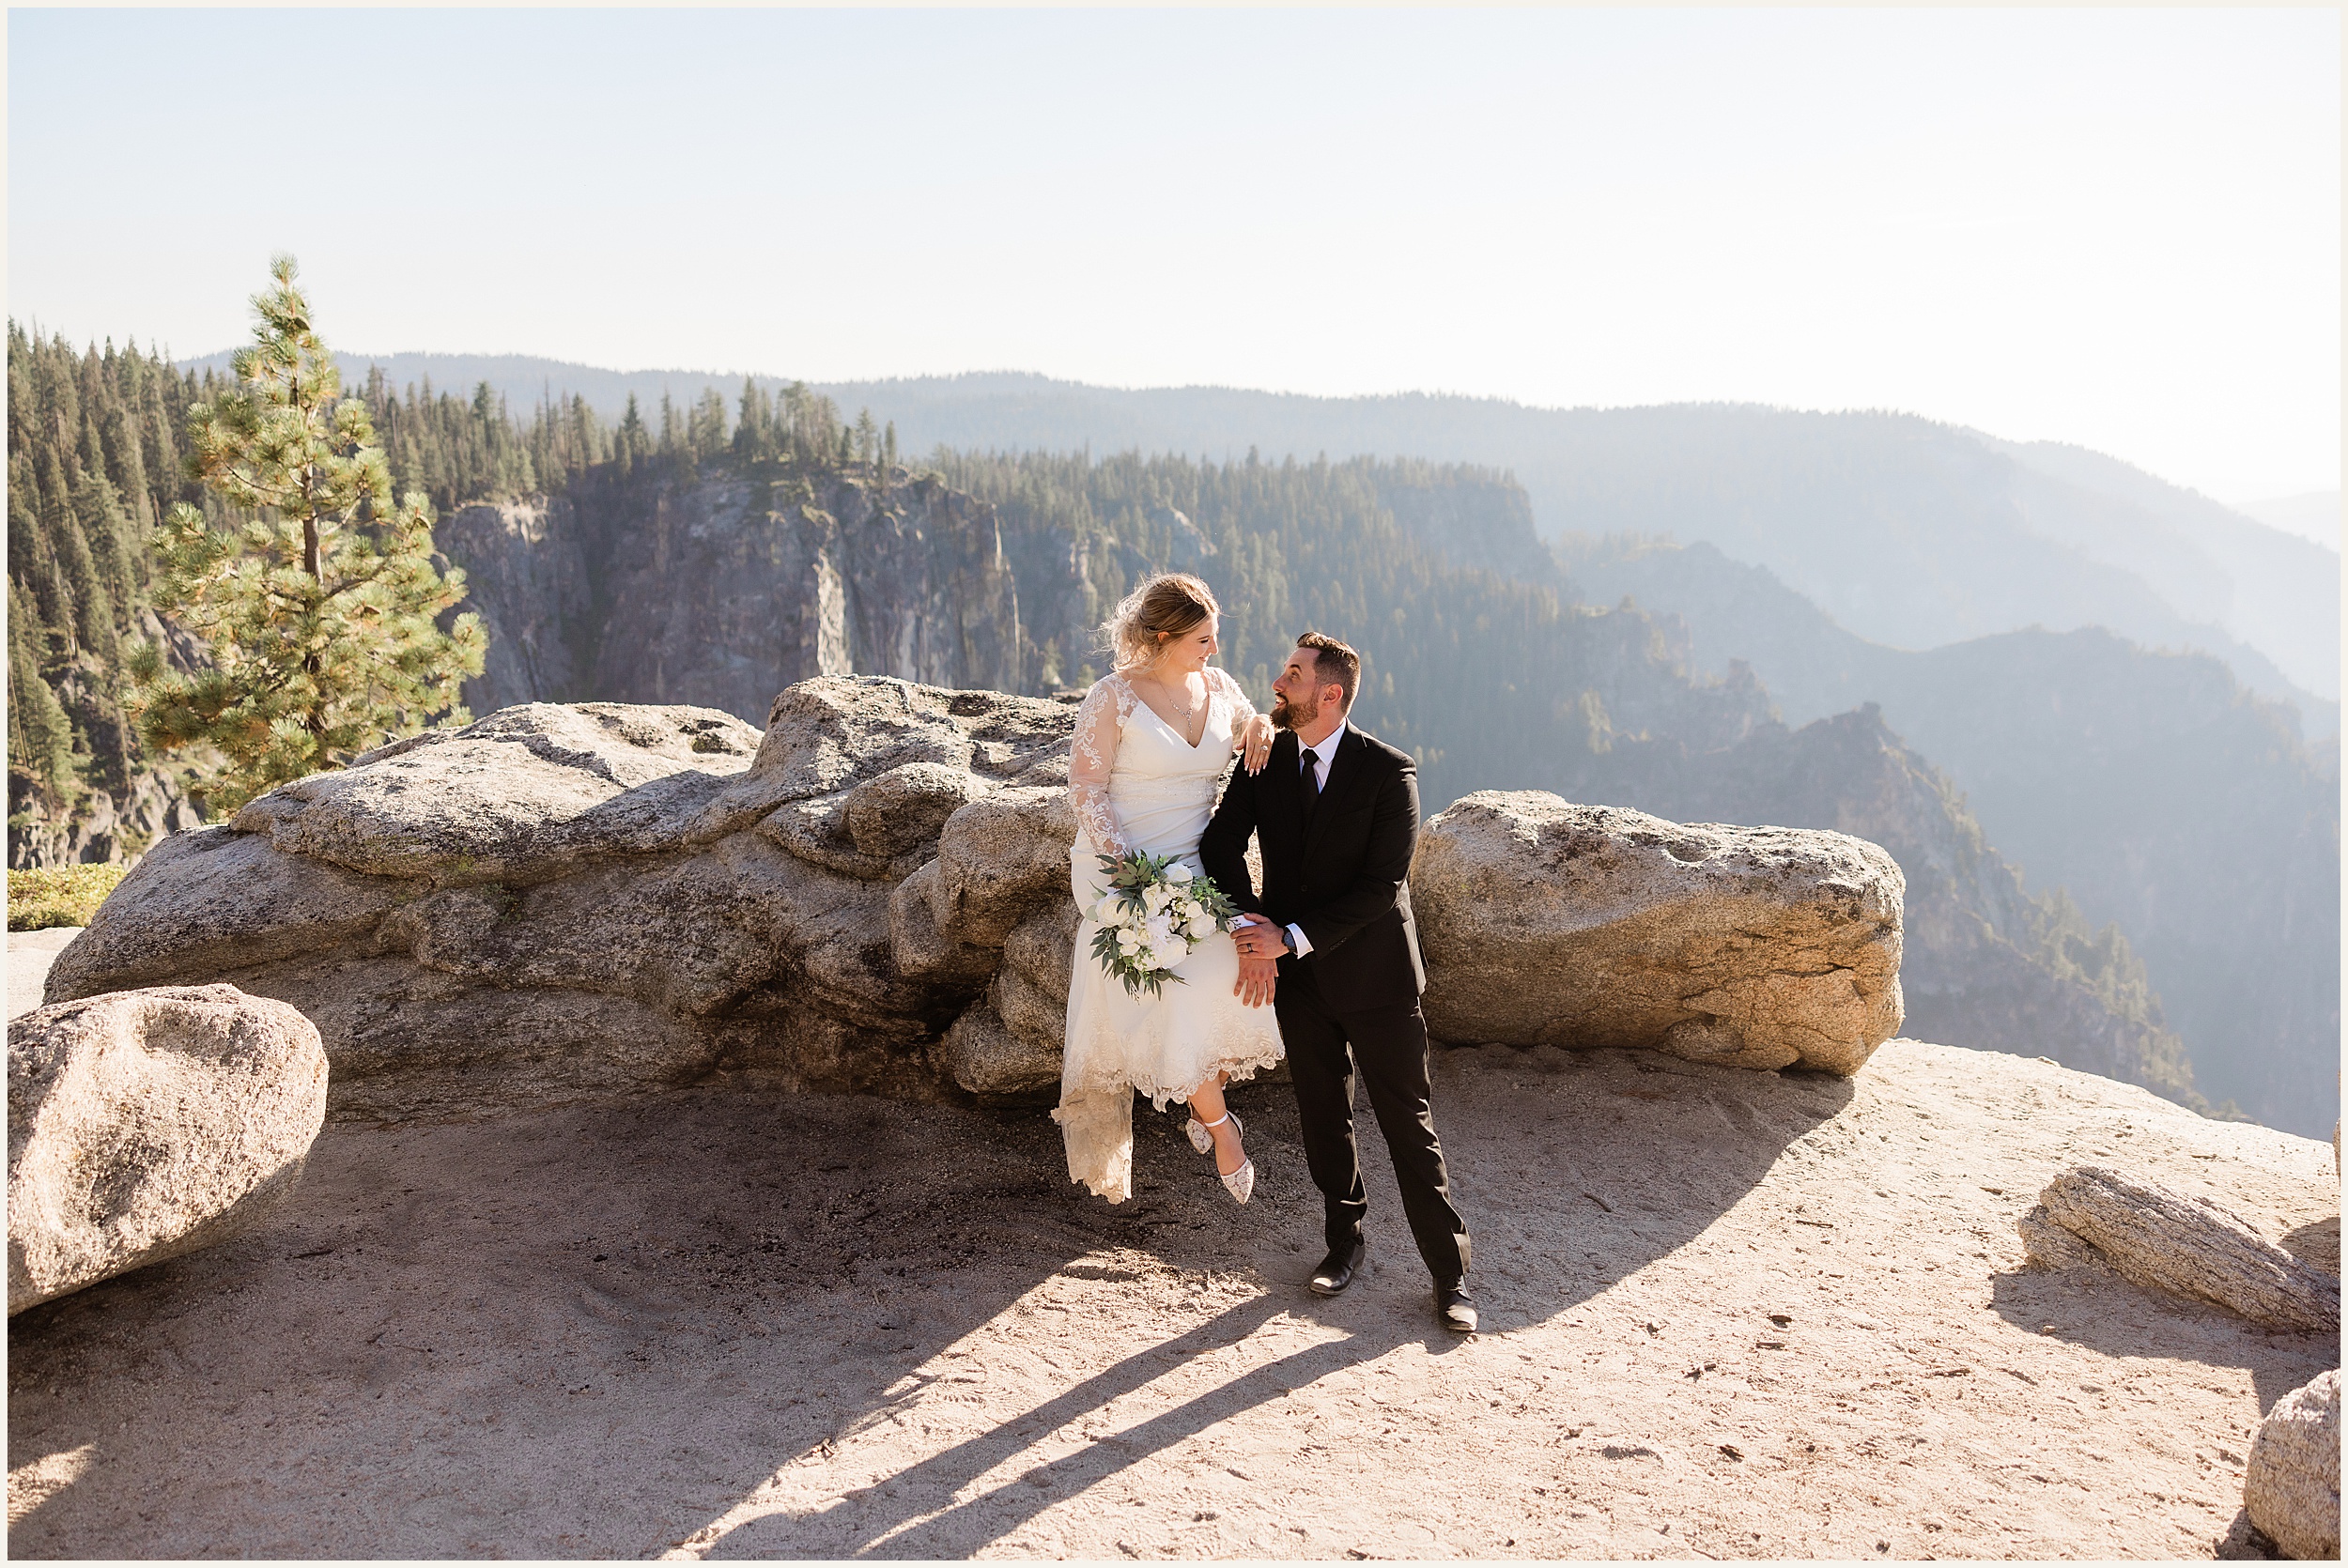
column 1284, row 804
column 1347, row 774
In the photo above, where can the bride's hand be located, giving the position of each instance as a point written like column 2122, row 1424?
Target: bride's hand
column 1256, row 743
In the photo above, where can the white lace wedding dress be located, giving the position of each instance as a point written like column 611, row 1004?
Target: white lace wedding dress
column 1137, row 786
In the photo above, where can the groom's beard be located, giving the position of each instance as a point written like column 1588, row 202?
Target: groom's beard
column 1289, row 715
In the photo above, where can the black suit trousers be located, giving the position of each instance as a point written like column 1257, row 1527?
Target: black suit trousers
column 1388, row 1044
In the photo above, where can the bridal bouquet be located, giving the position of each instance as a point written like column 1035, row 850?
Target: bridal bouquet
column 1155, row 912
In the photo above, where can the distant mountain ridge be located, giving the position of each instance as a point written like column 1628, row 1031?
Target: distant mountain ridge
column 2312, row 515
column 1909, row 532
column 2152, row 787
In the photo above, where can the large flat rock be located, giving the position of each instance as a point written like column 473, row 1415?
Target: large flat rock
column 592, row 899
column 1545, row 922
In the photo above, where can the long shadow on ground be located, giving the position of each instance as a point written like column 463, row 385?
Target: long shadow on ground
column 2098, row 1309
column 593, row 1331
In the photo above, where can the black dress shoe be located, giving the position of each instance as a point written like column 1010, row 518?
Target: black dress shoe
column 1336, row 1271
column 1453, row 1306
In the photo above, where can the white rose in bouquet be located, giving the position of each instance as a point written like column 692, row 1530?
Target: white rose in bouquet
column 1154, row 912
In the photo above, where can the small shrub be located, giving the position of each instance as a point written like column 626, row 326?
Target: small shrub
column 47, row 896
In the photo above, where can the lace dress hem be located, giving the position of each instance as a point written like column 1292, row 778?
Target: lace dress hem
column 1238, row 1059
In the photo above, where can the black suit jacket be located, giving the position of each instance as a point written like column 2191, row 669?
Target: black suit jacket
column 1343, row 877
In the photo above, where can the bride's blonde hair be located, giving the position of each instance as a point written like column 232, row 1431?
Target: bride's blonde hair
column 1162, row 608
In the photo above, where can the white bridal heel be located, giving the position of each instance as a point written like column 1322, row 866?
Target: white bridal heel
column 1202, row 1140
column 1241, row 1182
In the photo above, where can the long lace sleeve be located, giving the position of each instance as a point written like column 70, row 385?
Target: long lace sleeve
column 1092, row 756
column 1251, row 732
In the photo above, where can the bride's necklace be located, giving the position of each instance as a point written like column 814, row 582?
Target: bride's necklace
column 1182, row 706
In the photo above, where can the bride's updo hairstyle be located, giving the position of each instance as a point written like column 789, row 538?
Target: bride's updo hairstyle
column 1172, row 605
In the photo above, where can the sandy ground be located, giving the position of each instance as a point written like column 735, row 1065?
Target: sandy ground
column 1726, row 1315
column 29, row 957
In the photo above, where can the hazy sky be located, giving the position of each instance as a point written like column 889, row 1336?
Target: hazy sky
column 2114, row 227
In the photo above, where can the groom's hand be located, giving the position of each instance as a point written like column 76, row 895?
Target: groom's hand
column 1259, row 938
column 1258, row 979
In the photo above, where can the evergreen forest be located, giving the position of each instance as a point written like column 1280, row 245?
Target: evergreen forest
column 94, row 462
column 96, row 439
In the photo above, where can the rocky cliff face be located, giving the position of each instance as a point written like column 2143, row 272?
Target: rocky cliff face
column 103, row 827
column 130, row 805
column 715, row 590
column 721, row 592
column 1478, row 519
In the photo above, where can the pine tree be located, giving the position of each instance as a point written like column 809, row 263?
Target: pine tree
column 672, row 444
column 633, row 442
column 41, row 736
column 706, row 425
column 319, row 608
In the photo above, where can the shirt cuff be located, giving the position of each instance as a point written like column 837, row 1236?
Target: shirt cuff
column 1296, row 935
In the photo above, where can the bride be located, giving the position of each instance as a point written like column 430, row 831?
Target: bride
column 1152, row 742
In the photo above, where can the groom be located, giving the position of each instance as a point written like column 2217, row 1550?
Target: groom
column 1333, row 948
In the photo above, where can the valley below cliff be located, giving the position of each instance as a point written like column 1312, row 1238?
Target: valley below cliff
column 2158, row 795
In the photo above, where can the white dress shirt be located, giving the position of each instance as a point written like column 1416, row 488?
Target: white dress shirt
column 1322, row 755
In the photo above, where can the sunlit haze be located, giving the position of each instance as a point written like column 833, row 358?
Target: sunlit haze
column 2116, row 228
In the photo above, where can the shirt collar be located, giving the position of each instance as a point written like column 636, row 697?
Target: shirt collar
column 1326, row 749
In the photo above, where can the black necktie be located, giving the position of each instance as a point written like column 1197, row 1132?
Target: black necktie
column 1308, row 780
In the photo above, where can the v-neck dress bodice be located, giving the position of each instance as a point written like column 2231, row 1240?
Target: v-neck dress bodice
column 1158, row 791
column 1136, row 784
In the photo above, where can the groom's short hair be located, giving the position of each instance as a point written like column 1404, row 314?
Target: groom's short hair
column 1335, row 663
